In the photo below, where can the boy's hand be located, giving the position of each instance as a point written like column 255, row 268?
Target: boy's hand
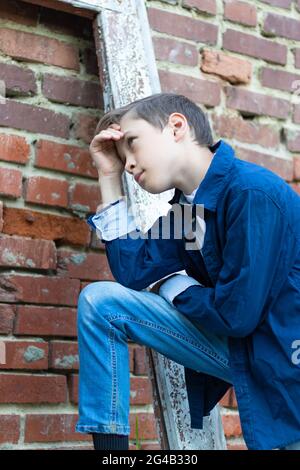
column 104, row 153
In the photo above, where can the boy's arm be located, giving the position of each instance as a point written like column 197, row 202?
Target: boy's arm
column 255, row 234
column 136, row 260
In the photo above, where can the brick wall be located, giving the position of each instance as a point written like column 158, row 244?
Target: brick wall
column 237, row 59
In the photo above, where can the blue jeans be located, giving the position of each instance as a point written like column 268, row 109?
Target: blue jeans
column 108, row 315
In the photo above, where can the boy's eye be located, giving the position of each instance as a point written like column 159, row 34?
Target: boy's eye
column 129, row 140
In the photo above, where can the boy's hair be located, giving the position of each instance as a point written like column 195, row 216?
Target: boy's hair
column 156, row 109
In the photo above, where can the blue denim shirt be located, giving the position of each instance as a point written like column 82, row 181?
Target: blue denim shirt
column 249, row 271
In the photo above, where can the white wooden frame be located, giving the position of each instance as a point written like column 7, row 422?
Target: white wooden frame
column 127, row 71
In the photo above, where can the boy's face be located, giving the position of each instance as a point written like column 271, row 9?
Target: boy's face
column 156, row 153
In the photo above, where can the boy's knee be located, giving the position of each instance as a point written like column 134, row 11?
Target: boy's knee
column 100, row 291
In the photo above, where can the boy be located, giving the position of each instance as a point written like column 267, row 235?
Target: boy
column 233, row 318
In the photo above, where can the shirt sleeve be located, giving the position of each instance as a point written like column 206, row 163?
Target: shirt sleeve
column 176, row 284
column 136, row 259
column 255, row 236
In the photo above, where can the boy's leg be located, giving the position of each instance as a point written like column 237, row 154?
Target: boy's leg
column 109, row 314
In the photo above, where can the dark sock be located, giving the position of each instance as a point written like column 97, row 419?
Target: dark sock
column 103, row 441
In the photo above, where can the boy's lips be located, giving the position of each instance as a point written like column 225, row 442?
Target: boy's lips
column 137, row 176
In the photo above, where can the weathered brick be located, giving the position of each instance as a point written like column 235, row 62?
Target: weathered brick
column 232, row 425
column 1, row 216
column 89, row 60
column 18, row 80
column 70, row 90
column 254, row 46
column 25, row 355
column 297, row 167
column 244, row 130
column 279, row 79
column 10, row 182
column 296, row 114
column 250, row 103
column 146, row 426
column 34, row 119
column 182, row 26
column 85, row 127
column 14, row 148
column 47, row 226
column 198, row 90
column 19, row 12
column 229, row 68
column 140, row 361
column 9, row 429
column 85, row 197
column 279, row 3
column 229, row 399
column 203, row 6
column 29, row 388
column 281, row 166
column 63, row 355
column 278, row 25
column 52, row 427
column 297, row 58
column 46, row 191
column 39, row 290
column 27, row 253
column 240, row 12
column 88, row 266
column 44, row 321
column 292, row 140
column 7, row 316
column 170, row 50
column 38, row 48
column 140, row 391
column 65, row 158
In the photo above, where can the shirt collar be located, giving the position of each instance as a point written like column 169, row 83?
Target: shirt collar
column 215, row 179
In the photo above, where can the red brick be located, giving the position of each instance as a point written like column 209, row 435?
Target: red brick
column 278, row 25
column 1, row 216
column 140, row 391
column 233, row 446
column 47, row 226
column 79, row 265
column 283, row 167
column 254, row 46
column 85, row 197
column 177, row 52
column 65, row 158
column 14, row 148
column 52, row 427
column 20, row 12
column 63, row 355
column 29, row 388
column 278, row 79
column 7, row 316
column 245, row 130
column 229, row 68
column 182, row 26
column 296, row 187
column 198, row 90
column 146, row 426
column 232, row 425
column 39, row 289
column 25, row 355
column 70, row 90
column 296, row 115
column 23, row 252
column 292, row 140
column 39, row 48
column 203, row 6
column 96, row 243
column 297, row 167
column 85, row 127
column 33, row 119
column 240, row 12
column 297, row 58
column 229, row 399
column 46, row 191
column 250, row 103
column 10, row 182
column 18, row 80
column 279, row 3
column 43, row 321
column 9, row 429
column 140, row 361
column 89, row 60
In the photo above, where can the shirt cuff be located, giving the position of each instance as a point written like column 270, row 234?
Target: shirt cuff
column 175, row 285
column 114, row 221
